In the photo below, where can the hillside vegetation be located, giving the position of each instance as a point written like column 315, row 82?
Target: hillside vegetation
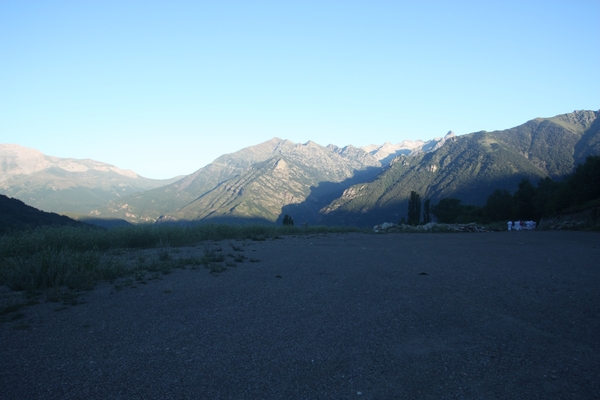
column 577, row 193
column 471, row 167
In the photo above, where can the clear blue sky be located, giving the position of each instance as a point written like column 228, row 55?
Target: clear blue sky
column 165, row 87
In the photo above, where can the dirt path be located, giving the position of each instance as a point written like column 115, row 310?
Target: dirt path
column 510, row 315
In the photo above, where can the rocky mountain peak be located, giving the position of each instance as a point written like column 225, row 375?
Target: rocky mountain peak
column 311, row 144
column 16, row 160
column 578, row 121
column 19, row 160
column 583, row 117
column 386, row 152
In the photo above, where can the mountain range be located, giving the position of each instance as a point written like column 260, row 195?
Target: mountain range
column 64, row 185
column 470, row 167
column 310, row 182
column 254, row 184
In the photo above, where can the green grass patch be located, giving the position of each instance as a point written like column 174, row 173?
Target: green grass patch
column 238, row 258
column 76, row 258
column 50, row 268
column 11, row 308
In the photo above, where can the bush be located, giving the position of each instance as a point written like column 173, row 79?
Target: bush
column 288, row 221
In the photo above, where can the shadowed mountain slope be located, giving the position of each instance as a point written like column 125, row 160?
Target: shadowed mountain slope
column 150, row 205
column 287, row 177
column 16, row 215
column 471, row 167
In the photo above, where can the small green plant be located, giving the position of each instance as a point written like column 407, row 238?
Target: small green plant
column 160, row 266
column 17, row 316
column 238, row 258
column 72, row 298
column 140, row 274
column 11, row 308
column 215, row 268
column 211, row 256
column 123, row 283
column 7, row 312
column 114, row 269
column 155, row 276
column 164, row 255
column 185, row 261
column 235, row 247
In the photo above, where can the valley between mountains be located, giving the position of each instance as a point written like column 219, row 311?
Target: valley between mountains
column 314, row 184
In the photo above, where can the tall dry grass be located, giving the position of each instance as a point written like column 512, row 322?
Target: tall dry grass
column 71, row 257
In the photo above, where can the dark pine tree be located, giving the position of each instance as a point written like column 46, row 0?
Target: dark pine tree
column 545, row 198
column 523, row 200
column 426, row 211
column 447, row 210
column 499, row 206
column 585, row 182
column 414, row 208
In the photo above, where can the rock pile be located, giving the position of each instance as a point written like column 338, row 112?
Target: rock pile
column 430, row 227
column 588, row 219
column 568, row 224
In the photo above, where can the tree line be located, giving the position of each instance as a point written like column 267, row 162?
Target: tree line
column 529, row 202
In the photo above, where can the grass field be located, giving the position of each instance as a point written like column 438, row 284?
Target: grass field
column 70, row 258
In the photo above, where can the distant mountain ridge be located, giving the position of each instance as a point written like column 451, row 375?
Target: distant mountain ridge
column 351, row 185
column 148, row 206
column 65, row 184
column 174, row 202
column 356, row 185
column 18, row 160
column 471, row 167
column 387, row 152
column 285, row 178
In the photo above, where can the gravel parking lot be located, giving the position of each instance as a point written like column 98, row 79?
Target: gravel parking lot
column 505, row 315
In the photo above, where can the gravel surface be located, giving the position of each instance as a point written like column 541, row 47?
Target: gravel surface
column 507, row 315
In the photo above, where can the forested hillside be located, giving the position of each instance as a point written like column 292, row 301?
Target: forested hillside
column 471, row 167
